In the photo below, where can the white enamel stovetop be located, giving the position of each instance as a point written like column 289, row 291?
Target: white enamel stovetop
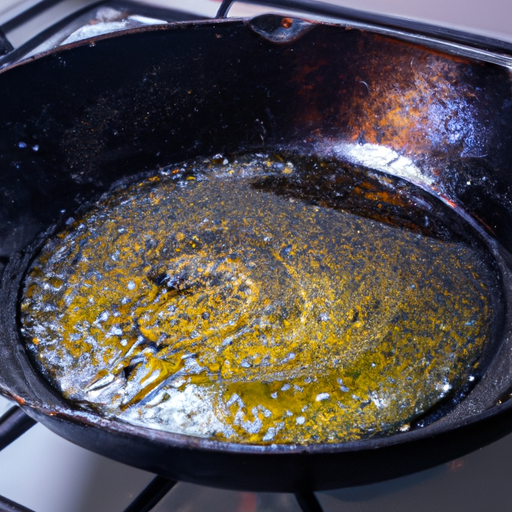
column 48, row 474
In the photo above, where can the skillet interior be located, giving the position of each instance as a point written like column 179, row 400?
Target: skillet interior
column 123, row 105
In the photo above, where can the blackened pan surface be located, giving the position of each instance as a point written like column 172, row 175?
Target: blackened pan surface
column 119, row 106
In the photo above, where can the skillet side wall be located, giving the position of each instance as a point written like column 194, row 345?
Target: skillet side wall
column 133, row 103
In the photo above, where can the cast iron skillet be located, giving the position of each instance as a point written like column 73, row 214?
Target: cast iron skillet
column 80, row 118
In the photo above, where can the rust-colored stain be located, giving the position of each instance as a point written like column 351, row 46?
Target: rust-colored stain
column 287, row 22
column 416, row 104
column 225, row 299
column 397, row 95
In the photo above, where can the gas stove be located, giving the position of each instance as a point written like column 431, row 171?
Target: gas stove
column 45, row 473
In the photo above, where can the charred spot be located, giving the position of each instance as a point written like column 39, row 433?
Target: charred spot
column 178, row 283
column 158, row 279
column 128, row 370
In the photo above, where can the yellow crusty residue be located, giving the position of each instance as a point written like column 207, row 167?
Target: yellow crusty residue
column 197, row 303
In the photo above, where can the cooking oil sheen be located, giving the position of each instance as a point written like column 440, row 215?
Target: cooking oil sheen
column 260, row 299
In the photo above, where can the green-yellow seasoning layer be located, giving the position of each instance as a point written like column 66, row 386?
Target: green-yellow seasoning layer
column 200, row 302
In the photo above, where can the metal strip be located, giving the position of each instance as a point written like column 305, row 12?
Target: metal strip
column 5, row 45
column 224, row 8
column 151, row 495
column 10, row 506
column 13, row 424
column 29, row 14
column 308, row 502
